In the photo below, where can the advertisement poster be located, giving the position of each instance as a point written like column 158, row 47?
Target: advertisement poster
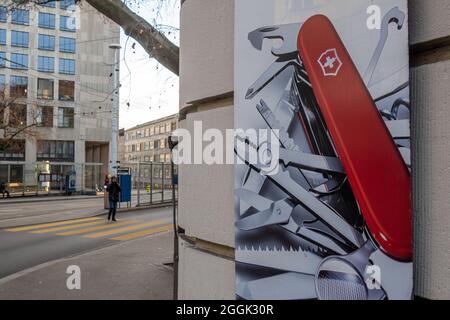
column 323, row 209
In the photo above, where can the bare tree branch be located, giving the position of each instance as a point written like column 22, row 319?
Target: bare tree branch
column 154, row 42
column 151, row 39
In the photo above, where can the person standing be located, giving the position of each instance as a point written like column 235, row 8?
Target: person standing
column 114, row 191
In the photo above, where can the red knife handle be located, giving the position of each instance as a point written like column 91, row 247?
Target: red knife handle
column 376, row 171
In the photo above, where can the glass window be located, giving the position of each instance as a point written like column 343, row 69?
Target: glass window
column 2, row 36
column 17, row 115
column 47, row 20
column 3, row 14
column 45, row 89
column 2, row 59
column 56, row 150
column 152, row 131
column 19, row 61
column 162, row 129
column 67, row 45
column 20, row 16
column 46, row 42
column 2, row 87
column 46, row 64
column 49, row 3
column 20, row 39
column 65, row 117
column 11, row 151
column 44, row 116
column 67, row 24
column 167, row 127
column 65, row 4
column 174, row 126
column 67, row 66
column 18, row 86
column 66, row 90
column 156, row 130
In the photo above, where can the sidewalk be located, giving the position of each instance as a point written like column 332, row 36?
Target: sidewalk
column 130, row 270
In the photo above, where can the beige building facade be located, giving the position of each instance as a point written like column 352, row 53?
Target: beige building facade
column 206, row 218
column 61, row 68
column 148, row 142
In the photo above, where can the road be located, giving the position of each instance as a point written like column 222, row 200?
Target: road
column 33, row 210
column 28, row 246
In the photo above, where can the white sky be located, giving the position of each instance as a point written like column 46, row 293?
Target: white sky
column 149, row 88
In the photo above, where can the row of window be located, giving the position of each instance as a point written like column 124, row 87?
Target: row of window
column 151, row 131
column 47, row 150
column 19, row 88
column 15, row 115
column 45, row 42
column 164, row 157
column 149, row 145
column 45, row 20
column 46, row 64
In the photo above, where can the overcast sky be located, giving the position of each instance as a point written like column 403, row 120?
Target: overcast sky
column 150, row 90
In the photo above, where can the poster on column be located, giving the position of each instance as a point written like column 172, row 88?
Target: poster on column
column 323, row 179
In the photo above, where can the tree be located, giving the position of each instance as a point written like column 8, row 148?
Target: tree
column 155, row 43
column 15, row 126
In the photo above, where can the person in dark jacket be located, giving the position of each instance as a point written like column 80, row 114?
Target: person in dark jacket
column 114, row 191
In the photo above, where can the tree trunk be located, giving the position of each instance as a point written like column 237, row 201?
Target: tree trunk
column 152, row 40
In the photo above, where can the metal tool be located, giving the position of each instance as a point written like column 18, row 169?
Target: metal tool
column 395, row 15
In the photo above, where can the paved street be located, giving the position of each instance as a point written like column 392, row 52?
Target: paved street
column 20, row 211
column 28, row 246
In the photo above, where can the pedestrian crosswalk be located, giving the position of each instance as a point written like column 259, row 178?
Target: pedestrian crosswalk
column 97, row 227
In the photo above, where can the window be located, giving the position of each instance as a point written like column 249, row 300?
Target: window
column 46, row 42
column 156, row 144
column 2, row 87
column 67, row 66
column 168, row 127
column 18, row 86
column 162, row 158
column 19, row 39
column 67, row 45
column 173, row 126
column 167, row 157
column 45, row 89
column 156, row 130
column 162, row 129
column 47, row 20
column 50, row 4
column 65, row 4
column 162, row 143
column 12, row 150
column 62, row 151
column 46, row 64
column 17, row 115
column 66, row 90
column 44, row 116
column 2, row 59
column 2, row 36
column 152, row 131
column 3, row 14
column 65, row 117
column 19, row 61
column 67, row 24
column 20, row 16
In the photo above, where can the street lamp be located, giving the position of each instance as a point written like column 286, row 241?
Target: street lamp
column 173, row 143
column 113, row 150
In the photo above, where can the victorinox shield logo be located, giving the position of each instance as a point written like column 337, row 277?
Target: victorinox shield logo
column 330, row 63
